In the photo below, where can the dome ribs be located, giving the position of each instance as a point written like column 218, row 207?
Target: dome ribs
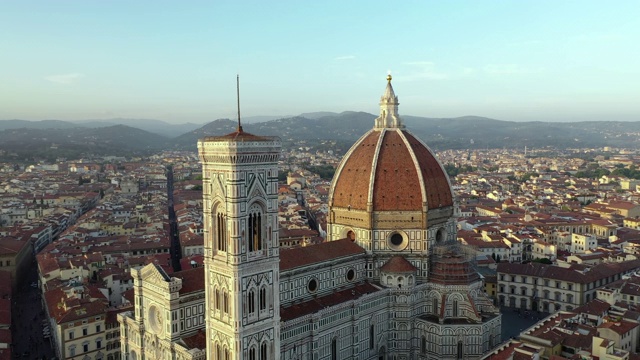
column 435, row 180
column 396, row 184
column 352, row 186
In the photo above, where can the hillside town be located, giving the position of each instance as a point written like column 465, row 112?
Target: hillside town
column 555, row 236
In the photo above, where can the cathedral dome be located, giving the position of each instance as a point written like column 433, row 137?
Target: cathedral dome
column 389, row 169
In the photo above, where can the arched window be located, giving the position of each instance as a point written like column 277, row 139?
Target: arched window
column 423, row 345
column 263, row 352
column 434, row 304
column 226, row 354
column 455, row 308
column 254, row 235
column 218, row 352
column 225, row 301
column 351, row 235
column 252, row 353
column 217, row 299
column 460, row 349
column 334, row 349
column 252, row 302
column 221, row 232
column 263, row 298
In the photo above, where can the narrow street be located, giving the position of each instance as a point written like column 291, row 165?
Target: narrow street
column 30, row 328
column 174, row 236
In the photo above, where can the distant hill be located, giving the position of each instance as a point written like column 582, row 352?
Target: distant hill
column 439, row 133
column 42, row 124
column 317, row 114
column 78, row 142
column 317, row 131
column 153, row 126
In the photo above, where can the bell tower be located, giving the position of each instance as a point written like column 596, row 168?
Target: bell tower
column 240, row 203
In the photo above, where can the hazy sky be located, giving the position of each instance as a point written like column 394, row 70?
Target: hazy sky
column 177, row 60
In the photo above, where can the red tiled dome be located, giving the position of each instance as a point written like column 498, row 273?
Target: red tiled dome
column 394, row 171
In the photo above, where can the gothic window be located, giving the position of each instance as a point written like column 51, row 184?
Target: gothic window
column 252, row 302
column 434, row 304
column 263, row 298
column 221, row 232
column 226, row 354
column 459, row 354
column 263, row 351
column 252, row 354
column 372, row 335
column 455, row 308
column 217, row 299
column 225, row 301
column 334, row 349
column 255, row 239
column 218, row 352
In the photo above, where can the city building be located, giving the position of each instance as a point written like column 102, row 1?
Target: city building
column 550, row 288
column 390, row 282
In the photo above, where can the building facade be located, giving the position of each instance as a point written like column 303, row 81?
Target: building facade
column 550, row 288
column 390, row 282
column 168, row 318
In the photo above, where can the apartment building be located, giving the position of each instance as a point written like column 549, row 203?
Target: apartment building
column 552, row 288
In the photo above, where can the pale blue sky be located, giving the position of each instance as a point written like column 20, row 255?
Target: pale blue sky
column 177, row 60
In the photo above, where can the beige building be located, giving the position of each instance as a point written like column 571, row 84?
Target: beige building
column 78, row 321
column 15, row 256
column 581, row 244
column 552, row 288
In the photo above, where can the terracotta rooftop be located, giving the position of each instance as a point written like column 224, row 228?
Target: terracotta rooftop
column 575, row 273
column 238, row 136
column 307, row 255
column 317, row 304
column 620, row 327
column 398, row 264
column 396, row 178
column 192, row 280
column 196, row 341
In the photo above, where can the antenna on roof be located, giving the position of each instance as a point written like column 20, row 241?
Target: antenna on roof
column 238, row 93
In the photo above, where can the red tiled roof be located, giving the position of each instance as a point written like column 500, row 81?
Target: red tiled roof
column 396, row 184
column 75, row 310
column 398, row 264
column 317, row 304
column 571, row 274
column 302, row 256
column 620, row 327
column 351, row 186
column 196, row 341
column 192, row 280
column 238, row 136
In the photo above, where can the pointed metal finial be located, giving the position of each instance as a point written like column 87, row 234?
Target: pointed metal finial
column 238, row 94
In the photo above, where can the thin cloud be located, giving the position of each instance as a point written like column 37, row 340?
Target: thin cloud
column 64, row 78
column 423, row 70
column 345, row 57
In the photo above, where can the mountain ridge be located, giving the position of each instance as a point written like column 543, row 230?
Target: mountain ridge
column 324, row 131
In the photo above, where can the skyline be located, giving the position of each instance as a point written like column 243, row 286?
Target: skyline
column 525, row 61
